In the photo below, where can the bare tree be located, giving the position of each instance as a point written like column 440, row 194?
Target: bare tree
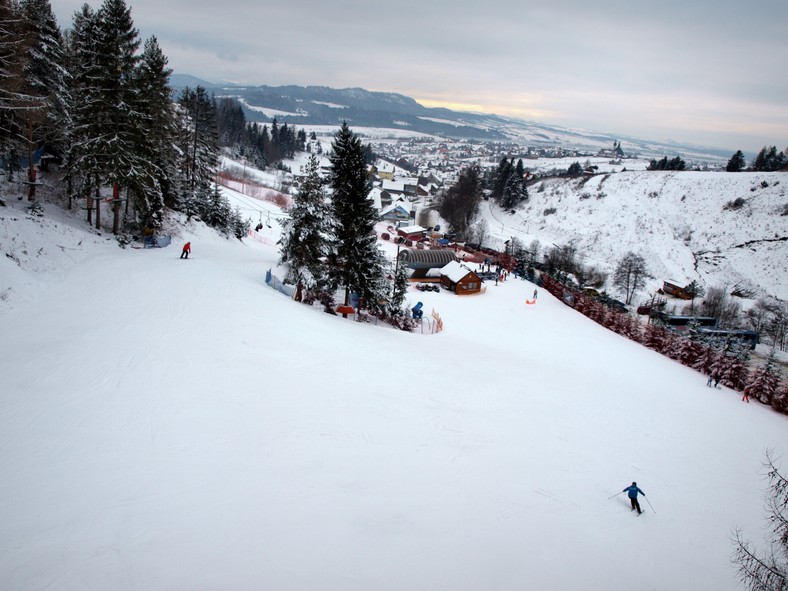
column 719, row 305
column 630, row 275
column 767, row 572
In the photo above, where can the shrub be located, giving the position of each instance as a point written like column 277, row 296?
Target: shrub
column 549, row 211
column 737, row 203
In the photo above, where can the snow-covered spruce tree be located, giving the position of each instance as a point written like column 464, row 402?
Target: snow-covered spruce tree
column 764, row 381
column 500, row 177
column 769, row 571
column 307, row 236
column 707, row 359
column 46, row 78
column 218, row 213
column 155, row 185
column 780, row 401
column 359, row 264
column 733, row 365
column 395, row 314
column 688, row 352
column 82, row 62
column 102, row 56
column 22, row 103
column 240, row 226
column 656, row 337
column 120, row 162
column 198, row 141
column 633, row 330
column 11, row 62
column 514, row 190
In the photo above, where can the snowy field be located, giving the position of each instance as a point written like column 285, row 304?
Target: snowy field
column 176, row 424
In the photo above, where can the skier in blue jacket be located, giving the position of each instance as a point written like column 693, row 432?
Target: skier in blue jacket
column 632, row 492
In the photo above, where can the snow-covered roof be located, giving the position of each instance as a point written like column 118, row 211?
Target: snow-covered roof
column 396, row 186
column 396, row 205
column 412, row 229
column 455, row 271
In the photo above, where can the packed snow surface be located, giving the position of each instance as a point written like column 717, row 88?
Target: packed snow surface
column 177, row 424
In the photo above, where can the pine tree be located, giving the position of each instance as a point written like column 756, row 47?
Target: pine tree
column 156, row 184
column 306, row 235
column 117, row 100
column 501, row 177
column 707, row 359
column 764, row 383
column 218, row 213
column 198, row 139
column 733, row 366
column 657, row 338
column 780, row 400
column 399, row 290
column 514, row 190
column 240, row 226
column 46, row 78
column 359, row 263
column 13, row 100
column 460, row 203
column 736, row 163
column 82, row 61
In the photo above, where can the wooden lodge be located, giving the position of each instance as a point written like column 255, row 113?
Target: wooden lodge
column 460, row 279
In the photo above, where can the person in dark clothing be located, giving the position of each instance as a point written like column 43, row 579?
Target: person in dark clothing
column 632, row 492
column 187, row 248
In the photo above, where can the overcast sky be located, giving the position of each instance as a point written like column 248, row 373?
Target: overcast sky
column 708, row 73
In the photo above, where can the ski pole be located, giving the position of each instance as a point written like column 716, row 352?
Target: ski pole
column 649, row 504
column 615, row 495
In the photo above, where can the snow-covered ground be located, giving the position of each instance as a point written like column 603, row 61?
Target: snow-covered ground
column 680, row 222
column 176, row 424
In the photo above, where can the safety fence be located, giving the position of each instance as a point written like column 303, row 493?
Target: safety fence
column 261, row 238
column 273, row 281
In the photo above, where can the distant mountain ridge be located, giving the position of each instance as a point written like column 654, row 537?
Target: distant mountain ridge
column 321, row 105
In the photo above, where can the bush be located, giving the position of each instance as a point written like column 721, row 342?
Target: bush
column 737, row 203
column 549, row 211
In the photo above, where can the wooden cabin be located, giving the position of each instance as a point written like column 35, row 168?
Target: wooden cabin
column 460, row 279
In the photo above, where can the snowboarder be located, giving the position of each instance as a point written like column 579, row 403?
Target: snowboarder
column 710, row 380
column 187, row 248
column 632, row 492
column 716, row 380
column 535, row 294
column 746, row 395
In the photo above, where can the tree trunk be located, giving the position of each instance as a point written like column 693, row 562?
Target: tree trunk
column 31, row 167
column 115, row 208
column 98, row 207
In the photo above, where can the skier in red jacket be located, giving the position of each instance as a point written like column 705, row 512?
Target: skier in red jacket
column 187, row 248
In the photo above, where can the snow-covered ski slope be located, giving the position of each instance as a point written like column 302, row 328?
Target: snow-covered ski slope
column 169, row 424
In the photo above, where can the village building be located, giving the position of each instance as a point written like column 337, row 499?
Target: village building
column 399, row 211
column 421, row 262
column 460, row 279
